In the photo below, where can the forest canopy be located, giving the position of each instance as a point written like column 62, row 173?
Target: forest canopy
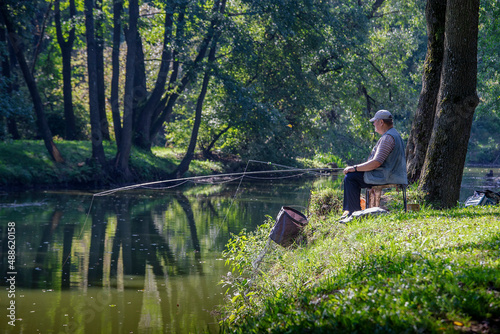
column 269, row 80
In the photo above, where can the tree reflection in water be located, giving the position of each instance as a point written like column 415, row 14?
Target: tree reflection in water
column 140, row 261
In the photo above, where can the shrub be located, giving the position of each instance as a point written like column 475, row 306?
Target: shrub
column 325, row 201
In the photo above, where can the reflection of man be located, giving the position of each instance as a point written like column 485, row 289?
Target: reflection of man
column 386, row 164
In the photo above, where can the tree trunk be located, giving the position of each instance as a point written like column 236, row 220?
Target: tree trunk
column 123, row 153
column 165, row 107
column 418, row 141
column 41, row 120
column 188, row 157
column 142, row 134
column 95, row 122
column 443, row 168
column 206, row 150
column 66, row 49
column 186, row 161
column 161, row 114
column 40, row 37
column 6, row 70
column 140, row 91
column 101, row 87
column 115, row 76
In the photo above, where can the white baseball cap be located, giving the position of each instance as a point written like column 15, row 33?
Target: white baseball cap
column 381, row 114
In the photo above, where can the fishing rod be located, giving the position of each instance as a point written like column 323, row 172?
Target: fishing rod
column 195, row 178
column 236, row 176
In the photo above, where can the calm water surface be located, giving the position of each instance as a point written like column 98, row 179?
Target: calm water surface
column 143, row 261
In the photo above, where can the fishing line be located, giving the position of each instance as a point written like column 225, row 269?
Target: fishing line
column 162, row 188
column 232, row 201
column 245, row 174
column 200, row 179
column 217, row 182
column 193, row 178
column 275, row 178
column 81, row 231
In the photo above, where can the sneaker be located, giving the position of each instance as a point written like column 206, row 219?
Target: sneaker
column 345, row 215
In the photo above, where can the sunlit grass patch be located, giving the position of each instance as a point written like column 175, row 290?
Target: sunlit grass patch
column 427, row 271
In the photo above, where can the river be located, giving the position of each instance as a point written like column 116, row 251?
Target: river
column 138, row 261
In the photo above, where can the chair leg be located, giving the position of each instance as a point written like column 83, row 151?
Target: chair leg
column 367, row 197
column 404, row 198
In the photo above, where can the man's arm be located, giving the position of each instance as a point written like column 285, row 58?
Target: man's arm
column 364, row 167
column 384, row 148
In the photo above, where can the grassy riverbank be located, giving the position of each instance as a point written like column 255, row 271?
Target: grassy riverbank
column 428, row 271
column 26, row 164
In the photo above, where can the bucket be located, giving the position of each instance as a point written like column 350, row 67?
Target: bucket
column 288, row 225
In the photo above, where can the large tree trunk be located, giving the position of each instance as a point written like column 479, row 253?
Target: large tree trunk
column 41, row 120
column 123, row 153
column 66, row 49
column 142, row 132
column 176, row 86
column 443, row 168
column 101, row 87
column 115, row 61
column 140, row 91
column 418, row 141
column 95, row 122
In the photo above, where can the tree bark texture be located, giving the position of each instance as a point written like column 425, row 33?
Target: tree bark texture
column 95, row 122
column 101, row 87
column 115, row 76
column 443, row 168
column 125, row 147
column 423, row 122
column 142, row 136
column 66, row 49
column 41, row 120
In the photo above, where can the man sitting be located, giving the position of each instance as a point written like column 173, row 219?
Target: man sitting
column 386, row 164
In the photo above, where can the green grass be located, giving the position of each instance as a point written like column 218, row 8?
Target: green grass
column 26, row 163
column 428, row 271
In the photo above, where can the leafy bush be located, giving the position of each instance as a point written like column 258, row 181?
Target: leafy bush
column 326, row 201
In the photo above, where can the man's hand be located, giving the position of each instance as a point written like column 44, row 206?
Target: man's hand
column 349, row 169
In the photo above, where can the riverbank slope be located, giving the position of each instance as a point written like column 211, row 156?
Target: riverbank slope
column 26, row 164
column 428, row 271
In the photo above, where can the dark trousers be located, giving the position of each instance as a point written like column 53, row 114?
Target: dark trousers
column 353, row 183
